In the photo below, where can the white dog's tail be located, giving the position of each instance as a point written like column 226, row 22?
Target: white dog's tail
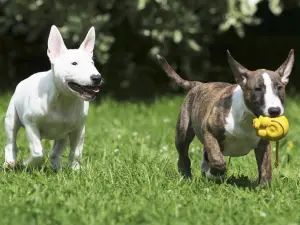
column 174, row 76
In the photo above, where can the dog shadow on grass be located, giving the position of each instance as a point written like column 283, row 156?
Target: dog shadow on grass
column 241, row 181
column 46, row 170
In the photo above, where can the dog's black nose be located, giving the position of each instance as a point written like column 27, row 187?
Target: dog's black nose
column 96, row 78
column 274, row 111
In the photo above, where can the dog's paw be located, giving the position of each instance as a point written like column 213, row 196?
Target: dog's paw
column 210, row 176
column 36, row 161
column 185, row 172
column 12, row 165
column 56, row 168
column 76, row 165
column 264, row 182
column 55, row 163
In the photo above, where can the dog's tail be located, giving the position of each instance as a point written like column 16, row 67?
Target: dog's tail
column 173, row 75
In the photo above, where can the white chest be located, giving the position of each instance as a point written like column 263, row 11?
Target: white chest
column 58, row 122
column 240, row 141
column 56, row 126
column 240, row 136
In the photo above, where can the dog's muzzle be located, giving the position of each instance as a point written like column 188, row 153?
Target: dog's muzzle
column 86, row 92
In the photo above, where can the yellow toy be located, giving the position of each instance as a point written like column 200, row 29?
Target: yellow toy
column 272, row 129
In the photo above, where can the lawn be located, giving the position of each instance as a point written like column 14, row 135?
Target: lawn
column 130, row 176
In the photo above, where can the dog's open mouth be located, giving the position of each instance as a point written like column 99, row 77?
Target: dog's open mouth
column 86, row 92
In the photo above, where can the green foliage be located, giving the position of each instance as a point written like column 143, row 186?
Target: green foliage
column 130, row 177
column 129, row 33
column 240, row 13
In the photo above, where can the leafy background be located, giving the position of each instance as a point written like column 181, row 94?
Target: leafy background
column 193, row 35
column 129, row 158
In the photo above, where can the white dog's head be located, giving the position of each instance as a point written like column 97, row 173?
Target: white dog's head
column 73, row 69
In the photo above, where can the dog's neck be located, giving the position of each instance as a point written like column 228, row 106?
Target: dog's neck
column 239, row 109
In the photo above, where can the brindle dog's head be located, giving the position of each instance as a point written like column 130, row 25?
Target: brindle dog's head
column 264, row 90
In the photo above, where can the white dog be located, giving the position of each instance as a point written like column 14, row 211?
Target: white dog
column 54, row 104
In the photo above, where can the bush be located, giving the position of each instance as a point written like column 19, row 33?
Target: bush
column 129, row 33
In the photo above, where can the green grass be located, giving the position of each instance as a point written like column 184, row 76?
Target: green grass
column 130, row 176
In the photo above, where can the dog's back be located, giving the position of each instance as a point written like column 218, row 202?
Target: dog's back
column 208, row 104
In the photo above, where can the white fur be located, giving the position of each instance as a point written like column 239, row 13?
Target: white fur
column 271, row 100
column 287, row 71
column 240, row 137
column 204, row 164
column 47, row 108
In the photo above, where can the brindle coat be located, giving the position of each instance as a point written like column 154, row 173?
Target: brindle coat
column 206, row 108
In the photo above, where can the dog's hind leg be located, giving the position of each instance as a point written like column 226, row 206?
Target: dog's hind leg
column 184, row 136
column 12, row 126
column 56, row 152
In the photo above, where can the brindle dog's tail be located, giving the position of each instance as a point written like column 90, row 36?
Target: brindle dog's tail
column 174, row 76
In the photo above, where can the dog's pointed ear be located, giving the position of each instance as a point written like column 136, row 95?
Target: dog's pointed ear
column 56, row 45
column 286, row 68
column 240, row 72
column 89, row 42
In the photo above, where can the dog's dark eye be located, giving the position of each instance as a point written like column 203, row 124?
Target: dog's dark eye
column 279, row 88
column 257, row 89
column 74, row 63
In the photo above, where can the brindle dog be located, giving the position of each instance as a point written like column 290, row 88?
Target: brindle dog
column 221, row 115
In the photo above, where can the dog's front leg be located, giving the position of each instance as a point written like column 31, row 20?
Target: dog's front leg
column 12, row 125
column 216, row 160
column 263, row 155
column 76, row 147
column 37, row 155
